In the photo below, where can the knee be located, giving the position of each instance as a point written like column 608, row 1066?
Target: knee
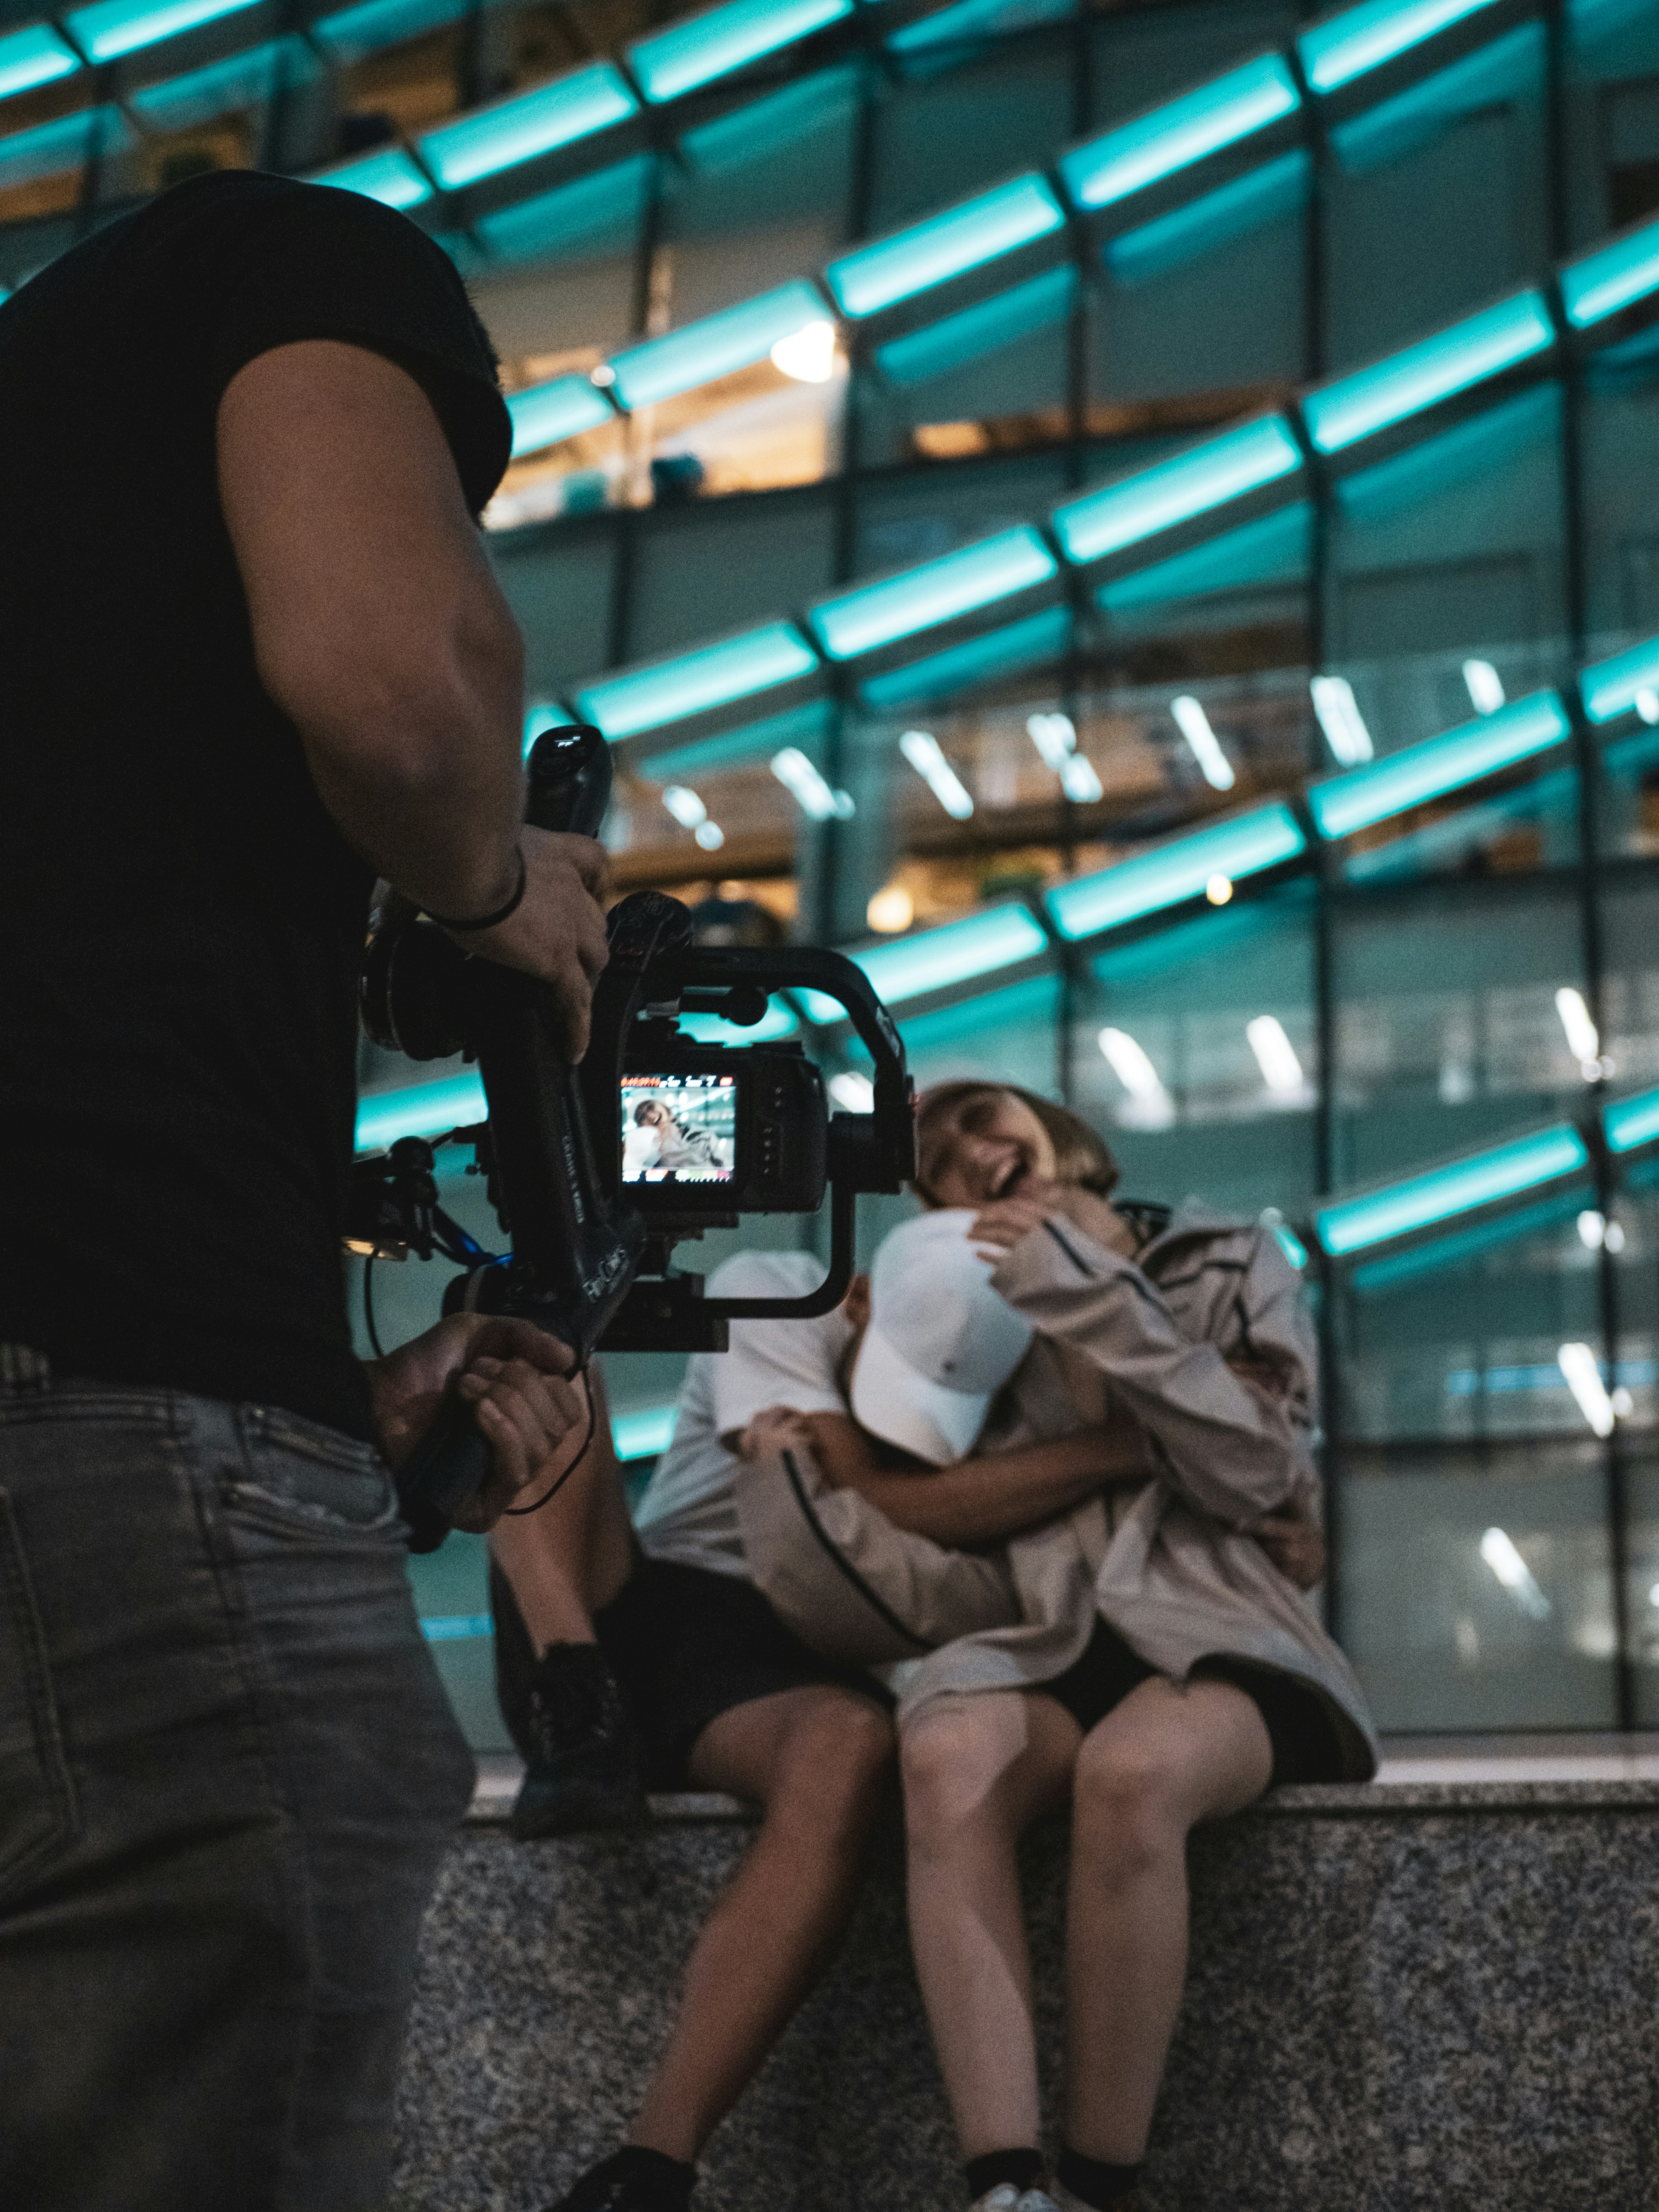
column 950, row 1762
column 835, row 1766
column 1128, row 1810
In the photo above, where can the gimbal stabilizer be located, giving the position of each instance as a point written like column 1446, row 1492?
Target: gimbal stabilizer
column 590, row 1262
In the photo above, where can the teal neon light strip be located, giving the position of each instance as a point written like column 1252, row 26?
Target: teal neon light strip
column 691, row 683
column 1629, row 1123
column 1609, row 688
column 389, row 177
column 1442, row 1252
column 1600, row 283
column 1342, row 803
column 1504, row 70
column 1274, row 550
column 717, row 345
column 90, row 135
column 1182, row 131
column 575, row 106
column 643, row 1434
column 456, row 1627
column 1347, row 45
column 351, row 33
column 542, row 414
column 998, row 653
column 933, row 592
column 1353, row 1224
column 1172, row 491
column 1261, row 195
column 1350, row 408
column 34, row 57
column 113, row 28
column 1003, row 320
column 928, row 254
column 243, row 80
column 936, row 959
column 607, row 204
column 778, row 1021
column 974, row 19
column 422, row 1110
column 722, row 40
column 1172, row 874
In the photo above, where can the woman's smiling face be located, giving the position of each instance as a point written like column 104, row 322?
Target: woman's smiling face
column 985, row 1146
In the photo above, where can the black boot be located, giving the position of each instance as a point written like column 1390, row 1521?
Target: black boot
column 567, row 1714
column 632, row 2181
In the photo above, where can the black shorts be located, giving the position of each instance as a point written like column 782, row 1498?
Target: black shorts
column 688, row 1645
column 1305, row 1747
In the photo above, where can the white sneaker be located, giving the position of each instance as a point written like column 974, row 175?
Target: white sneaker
column 1005, row 2197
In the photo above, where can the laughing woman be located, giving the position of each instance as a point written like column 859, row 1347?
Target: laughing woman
column 1168, row 1673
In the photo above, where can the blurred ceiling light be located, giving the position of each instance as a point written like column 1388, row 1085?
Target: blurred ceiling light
column 683, row 803
column 710, row 837
column 1219, row 889
column 808, row 788
column 1194, row 725
column 1275, row 1056
column 855, row 1092
column 891, row 909
column 1340, row 718
column 809, row 356
column 1055, row 738
column 1584, row 1374
column 1512, row 1571
column 1128, row 1061
column 1646, row 703
column 1486, row 686
column 1583, row 1039
column 1592, row 1229
column 936, row 772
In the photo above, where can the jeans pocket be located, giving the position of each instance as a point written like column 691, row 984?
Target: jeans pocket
column 297, row 1495
column 39, row 1818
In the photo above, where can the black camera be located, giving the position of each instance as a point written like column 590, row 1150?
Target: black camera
column 597, row 1170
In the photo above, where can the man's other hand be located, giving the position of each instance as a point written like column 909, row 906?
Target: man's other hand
column 516, row 1379
column 776, row 1429
column 558, row 929
column 1293, row 1541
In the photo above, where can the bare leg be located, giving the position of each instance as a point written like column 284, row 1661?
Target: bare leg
column 977, row 1771
column 573, row 1555
column 817, row 1761
column 1167, row 1757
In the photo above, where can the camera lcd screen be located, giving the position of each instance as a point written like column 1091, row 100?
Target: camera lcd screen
column 679, row 1129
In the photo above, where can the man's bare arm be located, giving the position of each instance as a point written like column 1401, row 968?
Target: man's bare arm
column 978, row 1501
column 381, row 634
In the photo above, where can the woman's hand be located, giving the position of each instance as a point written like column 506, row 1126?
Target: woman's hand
column 777, row 1429
column 1294, row 1541
column 515, row 1378
column 1005, row 1221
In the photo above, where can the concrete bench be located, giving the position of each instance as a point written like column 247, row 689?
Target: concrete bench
column 1403, row 1996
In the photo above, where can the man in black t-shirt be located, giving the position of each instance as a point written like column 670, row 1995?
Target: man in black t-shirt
column 254, row 657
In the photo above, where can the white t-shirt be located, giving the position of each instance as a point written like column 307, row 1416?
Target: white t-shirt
column 688, row 1512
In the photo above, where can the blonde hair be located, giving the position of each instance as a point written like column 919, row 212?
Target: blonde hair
column 1081, row 1157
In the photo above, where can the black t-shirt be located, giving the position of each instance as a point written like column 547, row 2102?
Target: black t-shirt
column 181, row 921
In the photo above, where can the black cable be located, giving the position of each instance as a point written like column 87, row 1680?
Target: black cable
column 559, row 1480
column 378, row 1348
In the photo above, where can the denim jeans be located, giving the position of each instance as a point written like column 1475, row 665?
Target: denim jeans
column 227, row 1773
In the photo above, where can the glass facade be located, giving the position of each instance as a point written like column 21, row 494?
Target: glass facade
column 1252, row 428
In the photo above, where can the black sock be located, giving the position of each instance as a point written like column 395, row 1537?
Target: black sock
column 670, row 2180
column 1022, row 2168
column 1092, row 2181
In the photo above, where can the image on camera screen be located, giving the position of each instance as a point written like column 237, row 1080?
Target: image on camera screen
column 679, row 1129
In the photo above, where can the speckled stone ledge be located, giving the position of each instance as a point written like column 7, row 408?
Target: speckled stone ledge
column 1422, row 1997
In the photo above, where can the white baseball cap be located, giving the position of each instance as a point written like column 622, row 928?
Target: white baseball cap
column 941, row 1343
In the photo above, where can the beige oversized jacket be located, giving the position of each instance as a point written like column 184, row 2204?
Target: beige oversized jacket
column 1152, row 1337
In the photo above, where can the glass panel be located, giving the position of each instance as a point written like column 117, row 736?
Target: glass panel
column 700, row 573
column 1476, row 1590
column 1194, row 1049
column 935, row 140
column 1612, row 115
column 558, row 584
column 1448, row 1032
column 1470, row 137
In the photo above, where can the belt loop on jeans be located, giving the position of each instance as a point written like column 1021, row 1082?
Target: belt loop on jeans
column 24, row 1370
